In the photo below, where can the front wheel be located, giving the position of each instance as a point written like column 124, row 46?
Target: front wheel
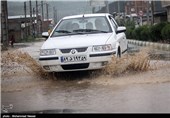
column 119, row 53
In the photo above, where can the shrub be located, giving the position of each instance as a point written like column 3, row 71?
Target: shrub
column 145, row 33
column 155, row 31
column 137, row 33
column 121, row 22
column 130, row 24
column 134, row 34
column 129, row 34
column 165, row 33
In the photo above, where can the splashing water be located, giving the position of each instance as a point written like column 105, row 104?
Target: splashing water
column 18, row 59
column 19, row 70
column 137, row 62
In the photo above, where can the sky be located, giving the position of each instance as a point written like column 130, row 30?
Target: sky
column 64, row 8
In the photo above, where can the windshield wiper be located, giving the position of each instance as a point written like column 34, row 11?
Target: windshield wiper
column 90, row 30
column 63, row 31
column 101, row 31
column 84, row 30
column 79, row 31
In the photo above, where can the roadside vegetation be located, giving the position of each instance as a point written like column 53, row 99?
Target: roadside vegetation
column 156, row 33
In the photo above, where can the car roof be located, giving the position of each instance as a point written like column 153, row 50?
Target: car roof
column 86, row 15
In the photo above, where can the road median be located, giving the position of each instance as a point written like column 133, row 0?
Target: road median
column 159, row 46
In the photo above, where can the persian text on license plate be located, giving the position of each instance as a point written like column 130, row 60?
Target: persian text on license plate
column 73, row 58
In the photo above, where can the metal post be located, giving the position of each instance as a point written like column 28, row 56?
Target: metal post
column 4, row 23
column 25, row 20
column 54, row 14
column 33, row 26
column 30, row 18
column 37, row 19
column 119, row 7
column 107, row 6
column 42, row 19
column 152, row 11
column 47, row 10
column 148, row 7
column 136, row 10
column 93, row 10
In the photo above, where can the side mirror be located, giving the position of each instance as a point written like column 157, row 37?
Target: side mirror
column 121, row 29
column 45, row 34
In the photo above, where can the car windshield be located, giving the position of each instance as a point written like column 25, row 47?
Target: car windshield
column 83, row 25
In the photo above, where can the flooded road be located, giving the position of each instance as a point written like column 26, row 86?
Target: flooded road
column 128, row 88
column 84, row 97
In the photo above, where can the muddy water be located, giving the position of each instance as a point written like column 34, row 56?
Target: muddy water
column 84, row 97
column 15, row 62
column 28, row 88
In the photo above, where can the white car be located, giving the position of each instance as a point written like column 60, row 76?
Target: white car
column 82, row 42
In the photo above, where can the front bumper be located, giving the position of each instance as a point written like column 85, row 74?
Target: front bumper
column 94, row 61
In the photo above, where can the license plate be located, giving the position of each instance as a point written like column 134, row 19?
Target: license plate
column 73, row 58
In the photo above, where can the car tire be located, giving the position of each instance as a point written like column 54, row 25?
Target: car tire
column 119, row 53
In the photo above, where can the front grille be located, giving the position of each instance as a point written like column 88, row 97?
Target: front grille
column 75, row 66
column 69, row 49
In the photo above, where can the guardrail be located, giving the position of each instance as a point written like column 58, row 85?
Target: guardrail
column 160, row 46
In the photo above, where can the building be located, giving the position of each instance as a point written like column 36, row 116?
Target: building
column 166, row 4
column 150, row 11
column 19, row 26
column 114, row 7
column 117, row 7
column 159, row 12
column 136, row 7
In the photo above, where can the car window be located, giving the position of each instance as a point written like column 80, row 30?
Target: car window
column 114, row 24
column 82, row 25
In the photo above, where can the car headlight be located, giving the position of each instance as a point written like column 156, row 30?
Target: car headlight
column 46, row 52
column 99, row 48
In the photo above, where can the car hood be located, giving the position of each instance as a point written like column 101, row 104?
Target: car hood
column 76, row 41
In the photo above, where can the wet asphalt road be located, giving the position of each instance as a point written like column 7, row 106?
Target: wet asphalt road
column 73, row 96
column 149, row 98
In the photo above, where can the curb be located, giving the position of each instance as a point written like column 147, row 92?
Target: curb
column 160, row 46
